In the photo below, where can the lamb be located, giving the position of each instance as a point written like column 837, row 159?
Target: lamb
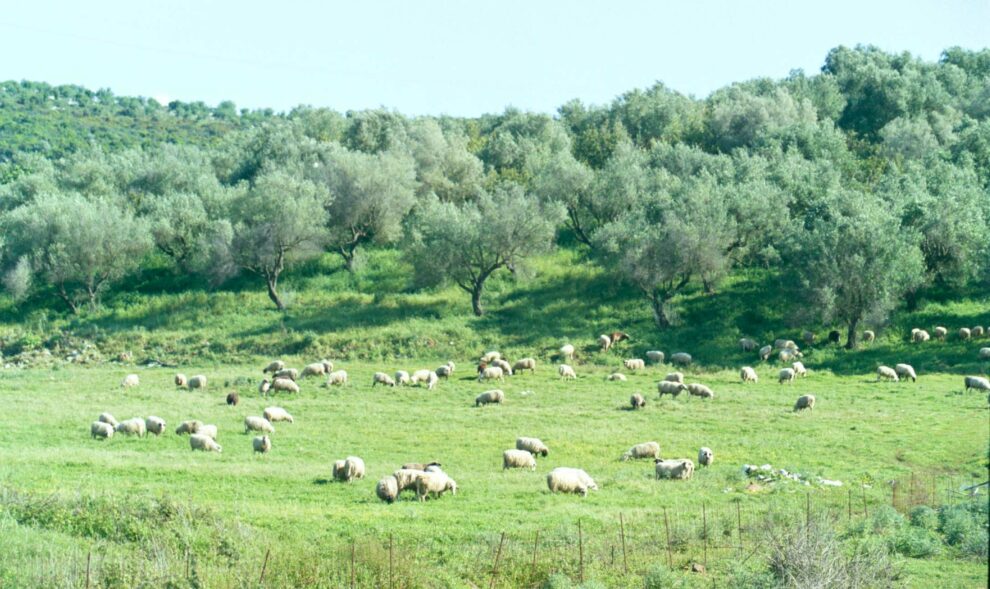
column 605, row 342
column 566, row 352
column 799, row 369
column 181, row 380
column 666, row 387
column 435, row 484
column 705, row 456
column 382, row 378
column 984, row 353
column 786, row 375
column 262, row 444
column 204, row 443
column 906, row 371
column 197, row 382
column 747, row 344
column 518, row 459
column 805, row 402
column 273, row 414
column 532, row 445
column 264, row 386
column 132, row 427
column 634, row 364
column 402, row 377
column 674, row 377
column 209, row 430
column 274, row 367
column 808, row 337
column 258, row 424
column 525, row 364
column 700, row 390
column 490, row 357
column 154, row 425
column 494, row 396
column 637, row 401
column 655, row 356
column 977, row 382
column 317, row 369
column 107, row 418
column 131, row 380
column 644, row 450
column 869, row 336
column 965, row 333
column 616, row 376
column 919, row 335
column 338, row 377
column 679, row 468
column 387, row 489
column 681, row 358
column 188, row 427
column 505, row 366
column 570, row 480
column 566, row 372
column 285, row 384
column 886, row 372
column 765, row 352
column 99, row 429
column 233, row 399
column 940, row 332
column 747, row 374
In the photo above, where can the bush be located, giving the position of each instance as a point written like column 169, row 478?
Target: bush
column 886, row 519
column 924, row 517
column 916, row 542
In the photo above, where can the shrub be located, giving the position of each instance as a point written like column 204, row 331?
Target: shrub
column 916, row 542
column 924, row 517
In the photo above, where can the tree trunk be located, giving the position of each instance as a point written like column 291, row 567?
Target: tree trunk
column 273, row 292
column 911, row 300
column 851, row 335
column 476, row 299
column 659, row 316
column 64, row 295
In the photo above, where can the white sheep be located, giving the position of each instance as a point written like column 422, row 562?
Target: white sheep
column 273, row 414
column 675, row 377
column 805, row 402
column 532, row 445
column 977, row 382
column 197, row 382
column 655, row 356
column 634, row 364
column 940, row 332
column 505, row 366
column 131, row 380
column 886, row 372
column 605, row 342
column 317, row 369
column 644, row 450
column 188, row 427
column 431, row 380
column 262, row 444
column 700, row 390
column 181, row 380
column 566, row 372
column 423, row 466
column 747, row 344
column 382, row 378
column 525, row 364
column 786, row 375
column 132, row 427
column 965, row 333
column 402, row 377
column 274, row 367
column 765, row 352
column 984, row 353
column 518, row 459
column 107, row 418
column 258, row 424
column 353, row 468
column 570, row 480
column 337, row 377
column 154, row 425
column 678, row 468
column 387, row 489
column 919, row 335
column 681, row 358
column 567, row 352
column 706, row 456
column 747, row 374
column 906, row 371
column 264, row 386
column 421, row 376
column 616, row 376
column 99, row 429
column 435, row 484
column 637, row 401
column 445, row 371
column 666, row 387
column 339, row 472
column 786, row 356
column 490, row 357
column 799, row 369
column 869, row 336
column 808, row 337
column 405, row 477
column 977, row 331
column 204, row 443
column 209, row 430
column 286, row 385
column 493, row 396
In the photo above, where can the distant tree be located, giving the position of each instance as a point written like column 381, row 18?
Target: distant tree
column 444, row 165
column 468, row 242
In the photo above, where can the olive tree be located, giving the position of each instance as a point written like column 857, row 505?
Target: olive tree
column 468, row 242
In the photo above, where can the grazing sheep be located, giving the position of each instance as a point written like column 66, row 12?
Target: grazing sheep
column 131, row 380
column 977, row 331
column 289, row 373
column 435, row 484
column 666, row 387
column 637, row 401
column 505, row 366
column 316, row 369
column 644, row 450
column 532, row 445
column 634, row 364
column 567, row 352
column 906, row 371
column 984, row 353
column 785, row 344
column 492, row 396
column 285, row 384
column 655, row 356
column 681, row 358
column 107, row 418
column 274, row 367
column 786, row 375
column 788, row 355
column 444, row 371
column 132, row 427
column 765, row 352
column 431, row 380
column 420, row 376
column 805, row 402
column 429, row 466
column 965, row 333
column 678, row 468
column 405, row 477
column 605, row 342
column 387, row 489
column 675, row 377
column 833, row 336
column 490, row 357
column 402, row 378
column 233, row 399
column 809, row 337
column 181, row 380
column 869, row 336
column 570, row 480
column 747, row 374
column 518, row 459
column 940, row 332
column 204, row 443
column 705, row 457
column 99, row 429
column 273, row 414
column 264, row 386
column 977, row 382
column 154, row 425
column 616, row 376
column 747, row 344
column 338, row 377
column 209, row 430
column 700, row 390
column 886, row 372
column 525, row 364
column 799, row 369
column 618, row 336
column 188, row 427
column 197, row 382
column 262, row 444
column 382, row 378
column 338, row 472
column 258, row 424
column 353, row 469
column 491, row 373
column 919, row 335
column 566, row 372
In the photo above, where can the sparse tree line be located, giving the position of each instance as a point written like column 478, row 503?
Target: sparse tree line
column 861, row 186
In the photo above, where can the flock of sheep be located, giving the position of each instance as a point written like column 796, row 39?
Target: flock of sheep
column 429, row 480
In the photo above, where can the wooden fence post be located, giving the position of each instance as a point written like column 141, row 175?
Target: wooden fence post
column 622, row 531
column 391, row 576
column 498, row 556
column 89, row 559
column 866, row 511
column 580, row 553
column 264, row 566
column 666, row 525
column 352, row 564
column 704, row 530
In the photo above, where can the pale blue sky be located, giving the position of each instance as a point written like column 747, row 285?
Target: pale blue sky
column 458, row 58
